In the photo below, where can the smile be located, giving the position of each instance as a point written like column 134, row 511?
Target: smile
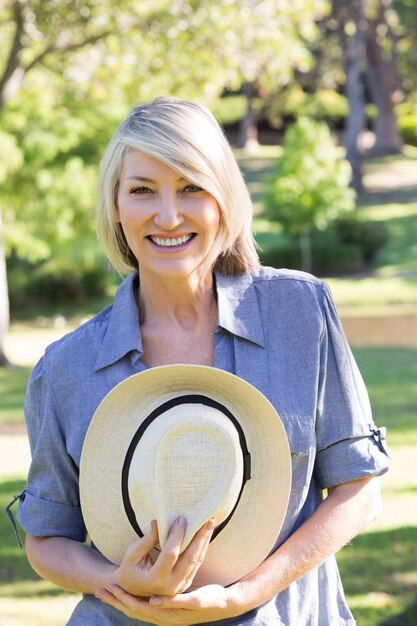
column 171, row 242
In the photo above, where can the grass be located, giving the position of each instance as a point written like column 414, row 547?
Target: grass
column 391, row 378
column 379, row 568
column 25, row 599
column 400, row 253
column 12, row 385
column 361, row 294
column 379, row 574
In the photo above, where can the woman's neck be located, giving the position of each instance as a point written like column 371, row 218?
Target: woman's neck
column 186, row 302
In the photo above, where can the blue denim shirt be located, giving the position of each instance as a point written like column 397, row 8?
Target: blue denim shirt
column 278, row 330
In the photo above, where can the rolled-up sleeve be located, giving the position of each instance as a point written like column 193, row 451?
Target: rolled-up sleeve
column 50, row 503
column 349, row 445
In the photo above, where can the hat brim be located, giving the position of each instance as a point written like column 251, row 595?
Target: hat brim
column 253, row 529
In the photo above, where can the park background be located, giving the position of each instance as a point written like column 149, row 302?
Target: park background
column 319, row 100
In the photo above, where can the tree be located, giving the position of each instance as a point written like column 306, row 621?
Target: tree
column 33, row 33
column 39, row 31
column 382, row 63
column 350, row 19
column 10, row 160
column 369, row 43
column 406, row 49
column 311, row 186
column 4, row 299
column 377, row 55
column 271, row 43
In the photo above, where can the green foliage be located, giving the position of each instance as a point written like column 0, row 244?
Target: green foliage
column 49, row 202
column 348, row 246
column 407, row 125
column 11, row 157
column 311, row 192
column 330, row 257
column 311, row 187
column 230, row 109
column 370, row 236
column 141, row 49
column 55, row 282
column 407, row 48
column 324, row 104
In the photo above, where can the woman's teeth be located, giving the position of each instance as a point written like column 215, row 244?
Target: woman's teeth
column 171, row 242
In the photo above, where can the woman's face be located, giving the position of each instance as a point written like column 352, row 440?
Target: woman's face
column 169, row 223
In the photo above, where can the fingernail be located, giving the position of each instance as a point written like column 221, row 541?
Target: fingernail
column 155, row 601
column 181, row 521
column 211, row 523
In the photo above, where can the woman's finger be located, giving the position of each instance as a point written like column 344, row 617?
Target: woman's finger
column 139, row 549
column 132, row 606
column 170, row 552
column 120, row 599
column 204, row 598
column 192, row 558
column 179, row 601
column 200, row 559
column 108, row 597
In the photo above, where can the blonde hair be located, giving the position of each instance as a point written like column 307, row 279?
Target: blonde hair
column 186, row 137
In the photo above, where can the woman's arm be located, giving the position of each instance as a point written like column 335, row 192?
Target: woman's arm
column 347, row 510
column 72, row 565
column 69, row 564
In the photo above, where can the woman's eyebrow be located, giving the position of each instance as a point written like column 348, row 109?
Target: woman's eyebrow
column 144, row 179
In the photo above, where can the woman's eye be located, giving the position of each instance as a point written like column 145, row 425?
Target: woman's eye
column 140, row 190
column 192, row 188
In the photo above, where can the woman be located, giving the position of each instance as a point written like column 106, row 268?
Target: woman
column 173, row 208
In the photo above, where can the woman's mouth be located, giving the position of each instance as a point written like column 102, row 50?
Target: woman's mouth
column 171, row 242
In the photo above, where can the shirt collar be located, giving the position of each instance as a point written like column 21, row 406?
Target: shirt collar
column 123, row 332
column 238, row 307
column 238, row 313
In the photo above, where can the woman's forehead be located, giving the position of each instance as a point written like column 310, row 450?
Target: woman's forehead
column 136, row 164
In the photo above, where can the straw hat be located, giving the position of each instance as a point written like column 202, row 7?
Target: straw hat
column 193, row 441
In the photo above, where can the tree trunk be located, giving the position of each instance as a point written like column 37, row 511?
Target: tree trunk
column 353, row 49
column 355, row 122
column 13, row 74
column 248, row 128
column 384, row 83
column 4, row 299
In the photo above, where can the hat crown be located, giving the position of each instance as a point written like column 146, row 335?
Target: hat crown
column 195, row 469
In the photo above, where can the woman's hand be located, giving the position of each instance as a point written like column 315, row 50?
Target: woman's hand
column 341, row 516
column 206, row 604
column 140, row 574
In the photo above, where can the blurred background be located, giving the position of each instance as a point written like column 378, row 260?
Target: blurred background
column 319, row 101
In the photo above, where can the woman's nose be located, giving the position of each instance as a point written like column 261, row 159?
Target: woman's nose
column 168, row 215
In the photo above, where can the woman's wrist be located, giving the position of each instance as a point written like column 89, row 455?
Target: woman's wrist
column 106, row 573
column 240, row 600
